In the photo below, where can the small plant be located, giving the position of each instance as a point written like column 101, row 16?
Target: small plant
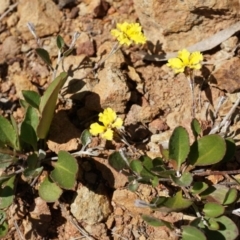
column 179, row 166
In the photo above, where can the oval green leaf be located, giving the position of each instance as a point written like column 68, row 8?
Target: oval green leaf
column 86, row 137
column 49, row 190
column 207, row 150
column 155, row 222
column 213, row 224
column 179, row 145
column 177, row 202
column 65, row 170
column 190, row 233
column 196, row 127
column 8, row 135
column 231, row 196
column 136, row 166
column 7, row 193
column 3, row 229
column 227, row 230
column 32, row 98
column 117, row 161
column 184, row 181
column 44, row 55
column 48, row 104
column 198, row 187
column 60, row 42
column 212, row 209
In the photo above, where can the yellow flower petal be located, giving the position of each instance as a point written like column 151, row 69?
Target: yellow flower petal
column 107, row 117
column 96, row 129
column 176, row 64
column 108, row 134
column 118, row 123
column 127, row 33
column 184, row 56
column 185, row 59
column 195, row 58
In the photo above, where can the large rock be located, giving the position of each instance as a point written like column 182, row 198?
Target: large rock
column 178, row 24
column 44, row 14
column 91, row 207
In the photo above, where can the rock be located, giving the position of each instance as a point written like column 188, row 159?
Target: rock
column 226, row 76
column 97, row 8
column 90, row 206
column 40, row 218
column 126, row 199
column 44, row 14
column 157, row 125
column 111, row 91
column 4, row 5
column 178, row 24
column 80, row 82
column 144, row 113
column 22, row 82
column 10, row 48
column 114, row 178
column 85, row 45
column 60, row 137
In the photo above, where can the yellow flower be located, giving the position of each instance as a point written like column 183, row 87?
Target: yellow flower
column 185, row 59
column 109, row 120
column 128, row 33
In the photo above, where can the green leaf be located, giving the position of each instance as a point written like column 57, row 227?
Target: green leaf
column 31, row 117
column 28, row 135
column 3, row 229
column 231, row 196
column 196, row 128
column 60, row 42
column 213, row 224
column 2, row 217
column 155, row 181
column 86, row 137
column 177, row 202
column 136, row 166
column 227, row 230
column 117, row 161
column 179, row 145
column 48, row 104
column 32, row 98
column 33, row 166
column 190, row 233
column 15, row 128
column 68, row 52
column 198, row 187
column 207, row 150
column 65, row 170
column 184, row 181
column 212, row 209
column 7, row 133
column 7, row 193
column 146, row 162
column 155, row 222
column 49, row 190
column 133, row 186
column 6, row 160
column 221, row 194
column 44, row 55
column 230, row 150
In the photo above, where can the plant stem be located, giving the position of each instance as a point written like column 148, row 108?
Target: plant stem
column 192, row 85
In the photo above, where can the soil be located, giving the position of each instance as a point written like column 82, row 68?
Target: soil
column 157, row 102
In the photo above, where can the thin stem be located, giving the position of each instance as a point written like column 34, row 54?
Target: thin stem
column 115, row 48
column 192, row 85
column 9, row 10
column 231, row 172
